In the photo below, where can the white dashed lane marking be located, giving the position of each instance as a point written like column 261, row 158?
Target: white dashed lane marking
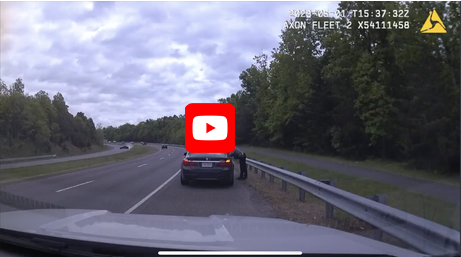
column 67, row 188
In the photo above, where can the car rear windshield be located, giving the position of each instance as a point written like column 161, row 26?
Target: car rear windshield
column 208, row 154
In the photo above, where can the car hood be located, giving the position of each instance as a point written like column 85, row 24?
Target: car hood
column 216, row 232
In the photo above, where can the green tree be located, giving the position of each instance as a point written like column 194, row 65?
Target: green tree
column 33, row 124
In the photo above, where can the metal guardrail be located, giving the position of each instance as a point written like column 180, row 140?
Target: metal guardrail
column 28, row 158
column 424, row 235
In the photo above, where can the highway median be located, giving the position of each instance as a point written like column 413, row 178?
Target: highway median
column 32, row 172
column 74, row 151
column 391, row 167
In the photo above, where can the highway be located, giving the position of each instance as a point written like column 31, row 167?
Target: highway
column 114, row 150
column 145, row 185
column 149, row 185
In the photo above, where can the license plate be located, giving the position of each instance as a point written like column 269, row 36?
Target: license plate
column 207, row 164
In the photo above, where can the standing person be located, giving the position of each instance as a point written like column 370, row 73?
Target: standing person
column 243, row 166
column 241, row 156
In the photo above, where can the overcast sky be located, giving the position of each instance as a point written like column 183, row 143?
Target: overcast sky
column 129, row 61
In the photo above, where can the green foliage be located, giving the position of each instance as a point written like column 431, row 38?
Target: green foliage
column 41, row 123
column 391, row 94
column 166, row 130
column 357, row 93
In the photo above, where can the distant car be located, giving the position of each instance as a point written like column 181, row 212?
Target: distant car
column 143, row 143
column 132, row 142
column 164, row 147
column 124, row 147
column 207, row 166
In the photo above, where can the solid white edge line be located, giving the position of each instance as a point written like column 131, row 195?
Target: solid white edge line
column 151, row 194
column 142, row 165
column 64, row 189
column 162, row 158
column 230, row 253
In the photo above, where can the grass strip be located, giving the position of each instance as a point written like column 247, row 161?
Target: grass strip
column 376, row 164
column 427, row 207
column 21, row 173
column 94, row 149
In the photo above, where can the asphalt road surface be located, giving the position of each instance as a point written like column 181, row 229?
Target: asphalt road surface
column 146, row 185
column 114, row 150
column 151, row 185
column 433, row 188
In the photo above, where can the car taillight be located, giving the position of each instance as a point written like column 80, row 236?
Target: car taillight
column 225, row 163
column 186, row 162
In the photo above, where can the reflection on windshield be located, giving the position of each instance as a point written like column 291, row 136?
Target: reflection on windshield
column 182, row 234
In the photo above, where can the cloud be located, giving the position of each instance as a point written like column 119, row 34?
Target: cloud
column 124, row 62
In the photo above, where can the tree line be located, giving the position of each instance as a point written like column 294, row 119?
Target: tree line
column 356, row 93
column 36, row 124
column 166, row 129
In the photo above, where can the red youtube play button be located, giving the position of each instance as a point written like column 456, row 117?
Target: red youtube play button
column 209, row 128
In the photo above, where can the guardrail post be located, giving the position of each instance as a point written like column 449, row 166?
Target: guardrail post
column 329, row 209
column 271, row 178
column 378, row 233
column 302, row 193
column 263, row 174
column 284, row 183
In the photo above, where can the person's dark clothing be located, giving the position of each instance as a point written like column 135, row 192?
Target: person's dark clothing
column 237, row 154
column 241, row 156
column 243, row 166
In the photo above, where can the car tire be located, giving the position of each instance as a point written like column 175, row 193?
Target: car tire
column 184, row 182
column 230, row 182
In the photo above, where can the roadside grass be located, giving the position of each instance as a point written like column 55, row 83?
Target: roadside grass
column 22, row 173
column 427, row 207
column 95, row 149
column 75, row 151
column 376, row 164
column 29, row 150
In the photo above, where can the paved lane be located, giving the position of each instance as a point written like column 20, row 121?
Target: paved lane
column 114, row 150
column 203, row 198
column 113, row 187
column 148, row 185
column 206, row 198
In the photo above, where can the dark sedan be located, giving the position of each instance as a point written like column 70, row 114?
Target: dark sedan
column 124, row 147
column 207, row 166
column 164, row 147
